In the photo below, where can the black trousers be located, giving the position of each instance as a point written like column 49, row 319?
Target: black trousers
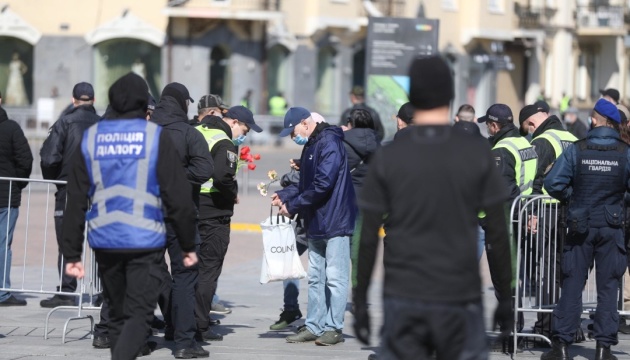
column 414, row 330
column 68, row 283
column 182, row 309
column 215, row 238
column 130, row 289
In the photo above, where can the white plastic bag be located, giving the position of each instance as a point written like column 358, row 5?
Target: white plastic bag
column 280, row 257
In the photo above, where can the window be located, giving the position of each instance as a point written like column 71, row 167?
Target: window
column 449, row 5
column 496, row 6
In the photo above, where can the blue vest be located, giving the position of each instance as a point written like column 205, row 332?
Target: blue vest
column 126, row 209
column 600, row 181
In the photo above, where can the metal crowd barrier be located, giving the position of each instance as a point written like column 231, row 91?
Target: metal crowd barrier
column 538, row 231
column 33, row 268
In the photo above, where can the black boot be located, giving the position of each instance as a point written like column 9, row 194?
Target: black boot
column 558, row 351
column 602, row 352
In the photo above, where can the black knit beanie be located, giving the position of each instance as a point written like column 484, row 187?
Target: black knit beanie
column 431, row 83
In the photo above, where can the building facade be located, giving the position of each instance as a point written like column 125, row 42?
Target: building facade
column 310, row 51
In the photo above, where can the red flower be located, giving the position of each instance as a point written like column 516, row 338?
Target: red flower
column 244, row 151
column 251, row 166
column 249, row 158
column 257, row 157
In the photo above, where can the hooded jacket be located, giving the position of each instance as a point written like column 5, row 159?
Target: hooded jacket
column 324, row 197
column 192, row 148
column 221, row 203
column 128, row 100
column 16, row 160
column 360, row 144
column 64, row 139
column 544, row 149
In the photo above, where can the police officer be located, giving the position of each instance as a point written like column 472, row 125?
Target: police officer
column 549, row 140
column 278, row 105
column 216, row 205
column 592, row 175
column 127, row 169
column 513, row 154
column 57, row 151
column 171, row 113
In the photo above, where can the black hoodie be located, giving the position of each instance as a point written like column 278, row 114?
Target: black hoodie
column 360, row 144
column 126, row 96
column 192, row 148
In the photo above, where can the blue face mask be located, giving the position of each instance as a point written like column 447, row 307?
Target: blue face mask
column 239, row 140
column 300, row 140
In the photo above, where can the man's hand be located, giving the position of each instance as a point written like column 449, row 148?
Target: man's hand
column 532, row 224
column 275, row 200
column 504, row 318
column 75, row 270
column 293, row 165
column 362, row 323
column 190, row 258
column 283, row 211
column 237, row 200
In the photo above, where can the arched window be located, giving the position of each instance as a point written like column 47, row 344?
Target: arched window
column 117, row 57
column 220, row 73
column 326, row 92
column 16, row 72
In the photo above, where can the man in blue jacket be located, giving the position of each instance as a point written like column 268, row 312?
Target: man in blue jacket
column 325, row 199
column 592, row 175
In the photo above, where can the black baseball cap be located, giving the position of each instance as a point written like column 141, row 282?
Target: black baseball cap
column 151, row 103
column 405, row 113
column 180, row 88
column 83, row 91
column 542, row 106
column 497, row 113
column 210, row 101
column 294, row 116
column 244, row 115
column 612, row 93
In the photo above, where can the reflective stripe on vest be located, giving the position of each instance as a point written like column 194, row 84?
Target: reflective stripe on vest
column 212, row 137
column 559, row 139
column 526, row 162
column 125, row 205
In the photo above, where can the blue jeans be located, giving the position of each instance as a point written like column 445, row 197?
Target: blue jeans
column 292, row 287
column 481, row 243
column 8, row 218
column 328, row 278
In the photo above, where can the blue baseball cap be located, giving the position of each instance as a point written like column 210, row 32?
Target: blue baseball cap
column 244, row 115
column 294, row 116
column 608, row 110
column 83, row 91
column 498, row 113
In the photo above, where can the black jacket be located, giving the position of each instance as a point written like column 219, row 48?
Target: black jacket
column 192, row 148
column 578, row 129
column 467, row 127
column 64, row 139
column 16, row 160
column 378, row 126
column 504, row 159
column 225, row 156
column 360, row 144
column 544, row 150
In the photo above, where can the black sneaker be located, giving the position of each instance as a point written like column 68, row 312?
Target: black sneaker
column 57, row 300
column 13, row 301
column 157, row 323
column 101, row 342
column 193, row 352
column 286, row 318
column 208, row 335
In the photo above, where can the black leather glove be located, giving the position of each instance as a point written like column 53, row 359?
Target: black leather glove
column 504, row 318
column 361, row 320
